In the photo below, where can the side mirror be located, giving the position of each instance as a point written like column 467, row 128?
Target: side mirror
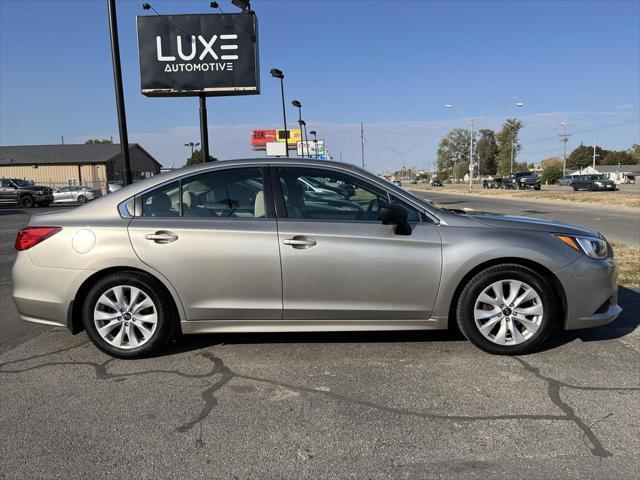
column 396, row 215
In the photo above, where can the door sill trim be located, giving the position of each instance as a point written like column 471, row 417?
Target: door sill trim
column 240, row 326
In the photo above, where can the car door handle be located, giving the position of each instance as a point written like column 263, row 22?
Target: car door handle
column 300, row 241
column 162, row 236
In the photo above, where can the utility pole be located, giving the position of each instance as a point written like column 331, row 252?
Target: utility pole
column 512, row 145
column 62, row 138
column 362, row 143
column 594, row 152
column 564, row 138
column 471, row 158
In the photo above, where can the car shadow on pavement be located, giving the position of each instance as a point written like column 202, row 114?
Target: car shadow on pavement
column 13, row 211
column 628, row 321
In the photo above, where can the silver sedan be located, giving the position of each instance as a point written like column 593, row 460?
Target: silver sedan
column 75, row 194
column 242, row 245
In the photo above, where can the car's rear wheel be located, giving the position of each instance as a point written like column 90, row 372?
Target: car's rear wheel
column 26, row 201
column 82, row 199
column 507, row 309
column 128, row 315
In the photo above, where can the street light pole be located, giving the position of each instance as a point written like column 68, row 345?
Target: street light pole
column 471, row 159
column 117, row 78
column 298, row 105
column 275, row 73
column 564, row 138
column 315, row 142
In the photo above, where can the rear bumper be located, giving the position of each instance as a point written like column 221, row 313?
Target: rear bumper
column 591, row 291
column 43, row 294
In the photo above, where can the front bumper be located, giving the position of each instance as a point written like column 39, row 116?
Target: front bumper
column 591, row 291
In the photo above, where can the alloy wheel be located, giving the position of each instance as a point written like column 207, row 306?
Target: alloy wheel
column 508, row 312
column 125, row 317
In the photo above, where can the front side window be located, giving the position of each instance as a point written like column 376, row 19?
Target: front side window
column 317, row 194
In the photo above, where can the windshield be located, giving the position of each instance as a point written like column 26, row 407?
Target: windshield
column 21, row 183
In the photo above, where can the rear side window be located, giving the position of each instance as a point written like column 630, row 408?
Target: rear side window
column 237, row 193
column 162, row 202
column 232, row 193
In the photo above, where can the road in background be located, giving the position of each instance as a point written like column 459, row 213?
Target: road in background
column 616, row 223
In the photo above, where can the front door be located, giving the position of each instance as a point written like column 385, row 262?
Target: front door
column 214, row 237
column 339, row 263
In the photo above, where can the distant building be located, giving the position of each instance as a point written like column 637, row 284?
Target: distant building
column 617, row 173
column 94, row 165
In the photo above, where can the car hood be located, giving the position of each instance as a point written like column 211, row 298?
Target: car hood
column 531, row 223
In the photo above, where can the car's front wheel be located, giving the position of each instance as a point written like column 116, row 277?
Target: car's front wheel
column 128, row 315
column 507, row 309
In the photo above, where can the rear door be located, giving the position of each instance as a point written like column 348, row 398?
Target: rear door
column 340, row 264
column 213, row 236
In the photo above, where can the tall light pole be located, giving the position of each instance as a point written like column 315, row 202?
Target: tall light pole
column 301, row 123
column 275, row 73
column 192, row 145
column 315, row 141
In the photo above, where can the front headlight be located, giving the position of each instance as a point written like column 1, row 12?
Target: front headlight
column 593, row 247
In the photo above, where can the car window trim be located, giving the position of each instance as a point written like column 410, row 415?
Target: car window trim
column 267, row 189
column 281, row 208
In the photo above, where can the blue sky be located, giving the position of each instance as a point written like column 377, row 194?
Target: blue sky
column 392, row 65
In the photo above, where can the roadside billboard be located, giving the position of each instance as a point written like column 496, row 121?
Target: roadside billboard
column 276, row 149
column 312, row 149
column 203, row 54
column 259, row 138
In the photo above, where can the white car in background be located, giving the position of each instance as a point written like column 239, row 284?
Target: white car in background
column 75, row 194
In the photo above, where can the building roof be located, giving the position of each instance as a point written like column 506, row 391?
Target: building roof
column 616, row 168
column 63, row 154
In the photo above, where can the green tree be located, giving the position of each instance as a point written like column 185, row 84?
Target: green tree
column 197, row 158
column 615, row 157
column 552, row 173
column 487, row 152
column 582, row 156
column 507, row 139
column 634, row 151
column 98, row 141
column 453, row 153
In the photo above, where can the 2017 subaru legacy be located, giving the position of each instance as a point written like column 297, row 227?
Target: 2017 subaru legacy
column 239, row 246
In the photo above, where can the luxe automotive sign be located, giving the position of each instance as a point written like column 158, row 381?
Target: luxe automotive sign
column 208, row 54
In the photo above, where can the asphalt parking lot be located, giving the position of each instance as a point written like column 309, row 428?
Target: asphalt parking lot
column 358, row 405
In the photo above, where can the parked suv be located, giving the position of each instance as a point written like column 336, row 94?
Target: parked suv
column 522, row 180
column 593, row 182
column 23, row 193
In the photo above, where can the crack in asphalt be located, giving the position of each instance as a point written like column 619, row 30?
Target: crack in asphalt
column 226, row 375
column 553, row 389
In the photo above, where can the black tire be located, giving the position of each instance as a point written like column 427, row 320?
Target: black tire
column 166, row 319
column 468, row 296
column 575, row 188
column 26, row 201
column 82, row 199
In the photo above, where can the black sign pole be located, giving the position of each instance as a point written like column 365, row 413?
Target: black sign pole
column 117, row 78
column 204, row 130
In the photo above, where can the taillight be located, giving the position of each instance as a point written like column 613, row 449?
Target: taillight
column 30, row 236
